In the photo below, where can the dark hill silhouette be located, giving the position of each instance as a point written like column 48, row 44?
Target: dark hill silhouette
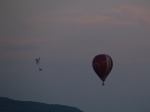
column 9, row 105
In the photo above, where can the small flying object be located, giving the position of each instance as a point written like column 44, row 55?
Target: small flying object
column 102, row 65
column 40, row 69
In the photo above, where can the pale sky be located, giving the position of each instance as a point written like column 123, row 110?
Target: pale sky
column 66, row 35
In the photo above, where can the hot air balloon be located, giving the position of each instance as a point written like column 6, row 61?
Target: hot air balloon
column 102, row 65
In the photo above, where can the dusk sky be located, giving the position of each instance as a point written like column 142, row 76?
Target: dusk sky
column 66, row 35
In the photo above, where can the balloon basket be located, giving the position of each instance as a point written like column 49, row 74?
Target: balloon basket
column 103, row 84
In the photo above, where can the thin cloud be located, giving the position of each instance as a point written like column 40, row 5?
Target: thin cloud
column 20, row 43
column 140, row 15
column 122, row 15
column 47, row 17
column 96, row 19
column 78, row 20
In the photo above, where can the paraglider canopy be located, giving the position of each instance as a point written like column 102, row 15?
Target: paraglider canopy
column 102, row 65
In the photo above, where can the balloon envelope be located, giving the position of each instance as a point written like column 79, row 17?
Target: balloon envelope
column 102, row 65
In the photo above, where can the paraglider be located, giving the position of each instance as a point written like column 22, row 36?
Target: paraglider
column 37, row 61
column 102, row 65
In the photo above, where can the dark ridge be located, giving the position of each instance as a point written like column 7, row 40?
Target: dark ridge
column 10, row 105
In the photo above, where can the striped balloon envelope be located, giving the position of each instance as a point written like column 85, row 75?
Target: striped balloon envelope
column 102, row 65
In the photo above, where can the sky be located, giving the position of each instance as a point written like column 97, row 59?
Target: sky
column 67, row 35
